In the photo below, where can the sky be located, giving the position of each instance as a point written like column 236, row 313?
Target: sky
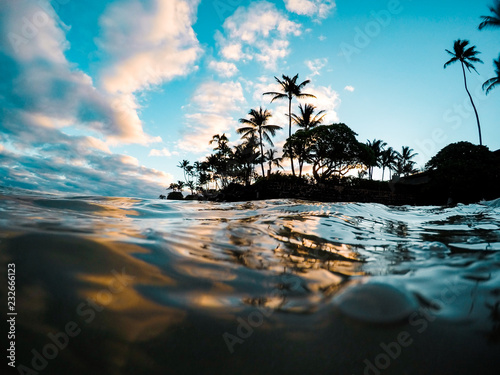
column 107, row 97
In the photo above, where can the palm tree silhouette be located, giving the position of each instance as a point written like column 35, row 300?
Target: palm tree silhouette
column 290, row 89
column 466, row 56
column 388, row 160
column 307, row 119
column 272, row 159
column 492, row 82
column 404, row 164
column 491, row 21
column 185, row 166
column 257, row 124
column 377, row 146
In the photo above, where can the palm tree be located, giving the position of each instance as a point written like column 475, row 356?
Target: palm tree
column 377, row 146
column 290, row 89
column 272, row 159
column 257, row 124
column 245, row 156
column 222, row 144
column 491, row 21
column 307, row 119
column 492, row 82
column 404, row 163
column 466, row 56
column 186, row 167
column 388, row 160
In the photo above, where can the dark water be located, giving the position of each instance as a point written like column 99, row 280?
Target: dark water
column 135, row 286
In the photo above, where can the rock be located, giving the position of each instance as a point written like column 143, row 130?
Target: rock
column 375, row 302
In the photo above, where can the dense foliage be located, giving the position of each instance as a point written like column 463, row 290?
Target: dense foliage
column 463, row 172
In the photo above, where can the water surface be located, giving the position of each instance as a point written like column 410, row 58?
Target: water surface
column 137, row 286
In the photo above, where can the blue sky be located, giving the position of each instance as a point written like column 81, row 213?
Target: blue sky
column 106, row 97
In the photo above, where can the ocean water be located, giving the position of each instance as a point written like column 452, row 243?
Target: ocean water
column 136, row 286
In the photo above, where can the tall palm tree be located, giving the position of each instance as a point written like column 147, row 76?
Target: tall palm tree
column 307, row 119
column 377, row 146
column 185, row 166
column 388, row 160
column 466, row 56
column 494, row 20
column 290, row 89
column 492, row 82
column 257, row 124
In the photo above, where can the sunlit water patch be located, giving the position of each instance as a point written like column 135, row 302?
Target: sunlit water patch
column 137, row 286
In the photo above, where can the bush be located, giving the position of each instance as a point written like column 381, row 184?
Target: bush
column 175, row 195
column 464, row 172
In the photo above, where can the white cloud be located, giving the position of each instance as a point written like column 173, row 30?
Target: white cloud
column 223, row 68
column 162, row 152
column 149, row 43
column 258, row 32
column 316, row 65
column 46, row 94
column 210, row 113
column 349, row 88
column 45, row 159
column 311, row 8
column 45, row 86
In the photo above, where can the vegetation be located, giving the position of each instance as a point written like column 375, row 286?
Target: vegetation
column 257, row 125
column 466, row 55
column 463, row 172
column 494, row 20
column 327, row 154
column 290, row 89
column 493, row 82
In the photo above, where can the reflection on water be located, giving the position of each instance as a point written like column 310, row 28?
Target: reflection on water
column 134, row 286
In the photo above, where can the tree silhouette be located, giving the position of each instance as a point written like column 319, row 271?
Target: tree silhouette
column 494, row 20
column 257, row 124
column 332, row 150
column 388, row 160
column 245, row 157
column 307, row 119
column 377, row 146
column 290, row 89
column 272, row 159
column 404, row 164
column 466, row 56
column 186, row 167
column 493, row 82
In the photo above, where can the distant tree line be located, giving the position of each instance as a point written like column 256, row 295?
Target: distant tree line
column 331, row 151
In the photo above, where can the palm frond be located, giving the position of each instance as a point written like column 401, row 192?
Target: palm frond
column 268, row 139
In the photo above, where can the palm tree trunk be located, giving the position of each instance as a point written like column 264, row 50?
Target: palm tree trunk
column 290, row 130
column 473, row 106
column 383, row 171
column 261, row 153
